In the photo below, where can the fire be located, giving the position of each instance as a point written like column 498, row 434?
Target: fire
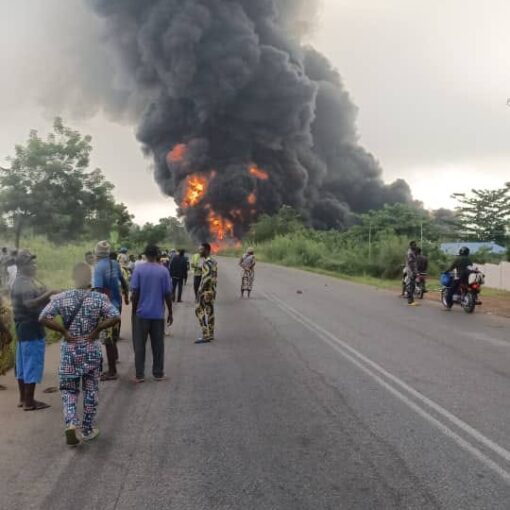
column 259, row 173
column 178, row 153
column 220, row 227
column 252, row 199
column 196, row 188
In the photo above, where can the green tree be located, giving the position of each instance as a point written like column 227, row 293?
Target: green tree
column 286, row 221
column 48, row 188
column 403, row 220
column 484, row 215
column 168, row 231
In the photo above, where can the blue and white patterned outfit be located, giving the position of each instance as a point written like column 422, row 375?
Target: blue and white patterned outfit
column 80, row 360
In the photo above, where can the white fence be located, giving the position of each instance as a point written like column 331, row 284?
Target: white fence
column 497, row 276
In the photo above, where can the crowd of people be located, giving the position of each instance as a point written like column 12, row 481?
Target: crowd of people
column 88, row 317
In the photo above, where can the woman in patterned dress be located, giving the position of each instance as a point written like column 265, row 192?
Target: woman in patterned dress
column 247, row 264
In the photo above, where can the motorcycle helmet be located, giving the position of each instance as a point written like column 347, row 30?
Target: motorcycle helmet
column 464, row 251
column 123, row 250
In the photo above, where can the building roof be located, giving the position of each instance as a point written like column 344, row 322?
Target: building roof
column 453, row 248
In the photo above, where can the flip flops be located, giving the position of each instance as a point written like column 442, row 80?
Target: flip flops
column 38, row 406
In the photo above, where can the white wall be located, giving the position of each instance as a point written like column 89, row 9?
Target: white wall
column 497, row 276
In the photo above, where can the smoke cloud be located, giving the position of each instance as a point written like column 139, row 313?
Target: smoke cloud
column 239, row 115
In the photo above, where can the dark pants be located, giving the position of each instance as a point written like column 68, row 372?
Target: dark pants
column 155, row 328
column 196, row 285
column 411, row 287
column 177, row 285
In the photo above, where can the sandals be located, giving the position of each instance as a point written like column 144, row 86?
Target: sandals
column 38, row 406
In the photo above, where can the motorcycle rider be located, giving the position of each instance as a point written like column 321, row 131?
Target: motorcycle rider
column 461, row 265
column 412, row 271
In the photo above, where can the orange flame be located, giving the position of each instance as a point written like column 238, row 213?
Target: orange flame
column 178, row 153
column 220, row 227
column 252, row 199
column 196, row 188
column 259, row 173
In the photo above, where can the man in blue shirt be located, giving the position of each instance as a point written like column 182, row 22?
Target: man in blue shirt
column 151, row 288
column 108, row 280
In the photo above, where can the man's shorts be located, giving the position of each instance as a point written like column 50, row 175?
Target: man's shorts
column 30, row 360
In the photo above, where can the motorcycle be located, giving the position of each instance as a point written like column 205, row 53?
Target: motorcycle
column 420, row 287
column 467, row 294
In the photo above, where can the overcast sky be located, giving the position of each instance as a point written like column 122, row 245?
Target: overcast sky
column 431, row 80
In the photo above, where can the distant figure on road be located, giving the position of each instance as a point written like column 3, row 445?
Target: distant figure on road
column 196, row 266
column 206, row 295
column 84, row 314
column 28, row 300
column 141, row 260
column 178, row 272
column 123, row 258
column 4, row 258
column 412, row 272
column 108, row 280
column 5, row 331
column 247, row 264
column 422, row 262
column 151, row 289
column 12, row 271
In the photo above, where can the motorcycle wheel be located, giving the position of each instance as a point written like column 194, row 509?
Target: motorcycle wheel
column 420, row 292
column 444, row 298
column 468, row 303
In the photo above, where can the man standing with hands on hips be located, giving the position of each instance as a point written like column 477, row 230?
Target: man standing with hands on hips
column 151, row 288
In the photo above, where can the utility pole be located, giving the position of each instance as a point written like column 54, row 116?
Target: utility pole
column 370, row 243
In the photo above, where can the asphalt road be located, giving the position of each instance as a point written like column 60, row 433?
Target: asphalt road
column 317, row 394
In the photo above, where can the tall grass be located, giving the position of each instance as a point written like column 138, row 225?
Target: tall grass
column 343, row 255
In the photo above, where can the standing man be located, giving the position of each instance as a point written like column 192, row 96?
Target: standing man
column 84, row 315
column 206, row 295
column 28, row 300
column 196, row 266
column 412, row 272
column 151, row 289
column 178, row 271
column 108, row 280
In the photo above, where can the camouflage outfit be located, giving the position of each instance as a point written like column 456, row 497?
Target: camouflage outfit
column 206, row 296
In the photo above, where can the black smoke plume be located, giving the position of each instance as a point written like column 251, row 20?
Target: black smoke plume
column 231, row 85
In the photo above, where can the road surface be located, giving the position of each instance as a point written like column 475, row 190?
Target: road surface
column 317, row 394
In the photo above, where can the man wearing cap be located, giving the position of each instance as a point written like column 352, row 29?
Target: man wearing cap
column 108, row 280
column 29, row 298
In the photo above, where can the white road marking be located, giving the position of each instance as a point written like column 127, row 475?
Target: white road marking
column 361, row 361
